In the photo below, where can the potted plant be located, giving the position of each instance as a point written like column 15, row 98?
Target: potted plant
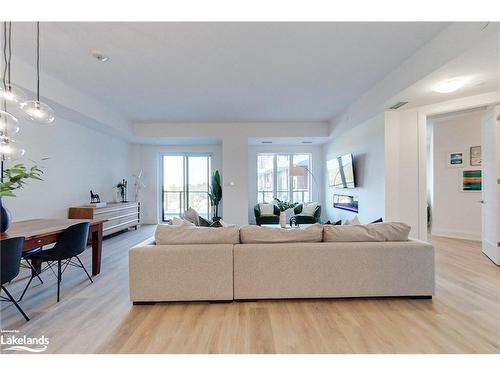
column 284, row 206
column 12, row 179
column 215, row 195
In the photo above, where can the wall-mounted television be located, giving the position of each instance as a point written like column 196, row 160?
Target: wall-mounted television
column 341, row 172
column 346, row 202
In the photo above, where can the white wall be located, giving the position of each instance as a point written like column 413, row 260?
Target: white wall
column 366, row 142
column 147, row 158
column 80, row 159
column 316, row 152
column 455, row 213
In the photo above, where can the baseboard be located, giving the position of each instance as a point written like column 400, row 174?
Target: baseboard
column 472, row 236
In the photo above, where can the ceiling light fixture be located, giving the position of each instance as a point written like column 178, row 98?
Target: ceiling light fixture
column 8, row 124
column 9, row 92
column 99, row 55
column 450, row 85
column 35, row 109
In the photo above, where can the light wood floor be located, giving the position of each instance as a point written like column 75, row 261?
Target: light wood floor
column 463, row 317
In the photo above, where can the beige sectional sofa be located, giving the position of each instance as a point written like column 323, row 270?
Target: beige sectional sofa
column 250, row 263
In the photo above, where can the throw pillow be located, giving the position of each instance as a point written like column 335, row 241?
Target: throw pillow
column 226, row 225
column 353, row 221
column 377, row 221
column 309, row 209
column 338, row 222
column 266, row 209
column 179, row 221
column 204, row 222
column 191, row 215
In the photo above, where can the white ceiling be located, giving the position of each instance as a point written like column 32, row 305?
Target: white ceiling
column 183, row 72
column 478, row 66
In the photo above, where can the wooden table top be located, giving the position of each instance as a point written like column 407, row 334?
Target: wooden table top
column 38, row 227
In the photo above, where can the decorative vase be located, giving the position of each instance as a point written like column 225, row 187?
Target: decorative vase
column 5, row 217
column 282, row 219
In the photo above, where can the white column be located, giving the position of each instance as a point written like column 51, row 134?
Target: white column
column 235, row 179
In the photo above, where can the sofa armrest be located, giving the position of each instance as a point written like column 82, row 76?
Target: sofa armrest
column 298, row 209
column 317, row 212
column 256, row 210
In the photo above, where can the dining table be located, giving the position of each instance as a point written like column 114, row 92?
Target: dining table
column 41, row 232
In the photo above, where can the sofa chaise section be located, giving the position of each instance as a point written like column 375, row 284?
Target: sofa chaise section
column 181, row 273
column 184, row 264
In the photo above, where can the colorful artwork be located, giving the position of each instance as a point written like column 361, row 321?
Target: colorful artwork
column 475, row 156
column 472, row 180
column 346, row 202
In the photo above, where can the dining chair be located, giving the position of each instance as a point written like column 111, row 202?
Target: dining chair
column 73, row 242
column 10, row 261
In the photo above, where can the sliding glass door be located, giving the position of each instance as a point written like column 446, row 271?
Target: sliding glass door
column 186, row 182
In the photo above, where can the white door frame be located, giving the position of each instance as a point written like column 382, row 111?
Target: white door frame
column 424, row 112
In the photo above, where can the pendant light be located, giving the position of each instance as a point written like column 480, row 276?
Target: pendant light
column 9, row 93
column 9, row 149
column 35, row 109
column 8, row 124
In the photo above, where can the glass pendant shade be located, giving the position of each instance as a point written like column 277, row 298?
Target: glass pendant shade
column 38, row 111
column 8, row 124
column 9, row 150
column 11, row 93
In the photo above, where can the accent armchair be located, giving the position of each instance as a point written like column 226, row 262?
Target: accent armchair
column 266, row 219
column 300, row 218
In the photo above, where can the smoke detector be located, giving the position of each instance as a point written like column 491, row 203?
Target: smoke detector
column 99, row 56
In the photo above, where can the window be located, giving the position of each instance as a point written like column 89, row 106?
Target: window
column 186, row 182
column 274, row 180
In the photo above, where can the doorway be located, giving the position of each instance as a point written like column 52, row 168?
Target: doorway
column 454, row 174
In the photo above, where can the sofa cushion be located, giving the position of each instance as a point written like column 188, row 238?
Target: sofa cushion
column 256, row 234
column 266, row 209
column 309, row 209
column 191, row 235
column 379, row 232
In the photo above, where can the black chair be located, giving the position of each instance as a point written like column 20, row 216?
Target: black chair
column 11, row 251
column 73, row 242
column 300, row 218
column 266, row 219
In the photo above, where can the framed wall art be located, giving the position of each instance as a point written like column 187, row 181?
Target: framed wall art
column 475, row 156
column 455, row 159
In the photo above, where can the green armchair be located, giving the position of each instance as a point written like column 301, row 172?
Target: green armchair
column 300, row 218
column 266, row 219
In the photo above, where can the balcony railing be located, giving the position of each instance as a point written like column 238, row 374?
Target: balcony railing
column 174, row 203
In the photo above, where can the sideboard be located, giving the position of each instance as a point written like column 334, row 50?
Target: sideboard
column 118, row 216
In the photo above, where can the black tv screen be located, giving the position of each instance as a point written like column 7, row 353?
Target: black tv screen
column 341, row 172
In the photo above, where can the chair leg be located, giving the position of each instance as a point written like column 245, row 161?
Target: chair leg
column 15, row 304
column 34, row 271
column 26, row 288
column 58, row 280
column 90, row 278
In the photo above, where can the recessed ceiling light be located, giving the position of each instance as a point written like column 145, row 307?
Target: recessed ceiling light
column 99, row 56
column 450, row 85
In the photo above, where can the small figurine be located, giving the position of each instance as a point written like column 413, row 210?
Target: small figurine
column 94, row 198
